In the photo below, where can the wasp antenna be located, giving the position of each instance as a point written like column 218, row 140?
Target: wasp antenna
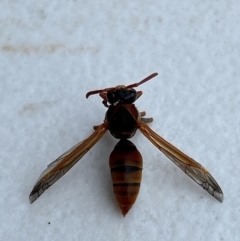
column 93, row 92
column 142, row 81
column 129, row 86
column 98, row 91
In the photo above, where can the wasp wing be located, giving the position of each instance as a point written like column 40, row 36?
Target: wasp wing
column 192, row 168
column 64, row 163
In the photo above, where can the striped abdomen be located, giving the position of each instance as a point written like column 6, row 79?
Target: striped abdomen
column 125, row 163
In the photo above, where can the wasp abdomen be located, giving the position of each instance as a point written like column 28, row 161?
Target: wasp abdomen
column 126, row 171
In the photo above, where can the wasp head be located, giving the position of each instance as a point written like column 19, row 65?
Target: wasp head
column 121, row 94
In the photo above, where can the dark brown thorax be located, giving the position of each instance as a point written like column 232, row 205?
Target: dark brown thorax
column 122, row 119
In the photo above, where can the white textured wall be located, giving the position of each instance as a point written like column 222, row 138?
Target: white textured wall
column 53, row 52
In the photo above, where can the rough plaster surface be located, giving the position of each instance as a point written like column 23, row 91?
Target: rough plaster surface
column 53, row 52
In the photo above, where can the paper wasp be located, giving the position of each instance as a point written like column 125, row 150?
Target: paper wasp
column 123, row 119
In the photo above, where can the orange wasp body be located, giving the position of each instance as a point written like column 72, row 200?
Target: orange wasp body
column 123, row 119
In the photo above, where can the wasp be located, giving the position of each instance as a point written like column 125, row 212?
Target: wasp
column 122, row 119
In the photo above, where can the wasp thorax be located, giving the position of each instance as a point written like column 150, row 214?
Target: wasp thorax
column 121, row 95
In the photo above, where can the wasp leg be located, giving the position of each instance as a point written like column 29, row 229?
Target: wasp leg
column 95, row 127
column 139, row 93
column 105, row 123
column 104, row 96
column 145, row 120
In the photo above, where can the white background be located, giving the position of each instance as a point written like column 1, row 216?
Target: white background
column 53, row 52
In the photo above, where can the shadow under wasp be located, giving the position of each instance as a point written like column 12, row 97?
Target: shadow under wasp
column 123, row 119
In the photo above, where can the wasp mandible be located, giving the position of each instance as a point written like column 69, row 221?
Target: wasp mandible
column 122, row 119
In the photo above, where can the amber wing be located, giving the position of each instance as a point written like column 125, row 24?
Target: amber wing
column 64, row 163
column 192, row 168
